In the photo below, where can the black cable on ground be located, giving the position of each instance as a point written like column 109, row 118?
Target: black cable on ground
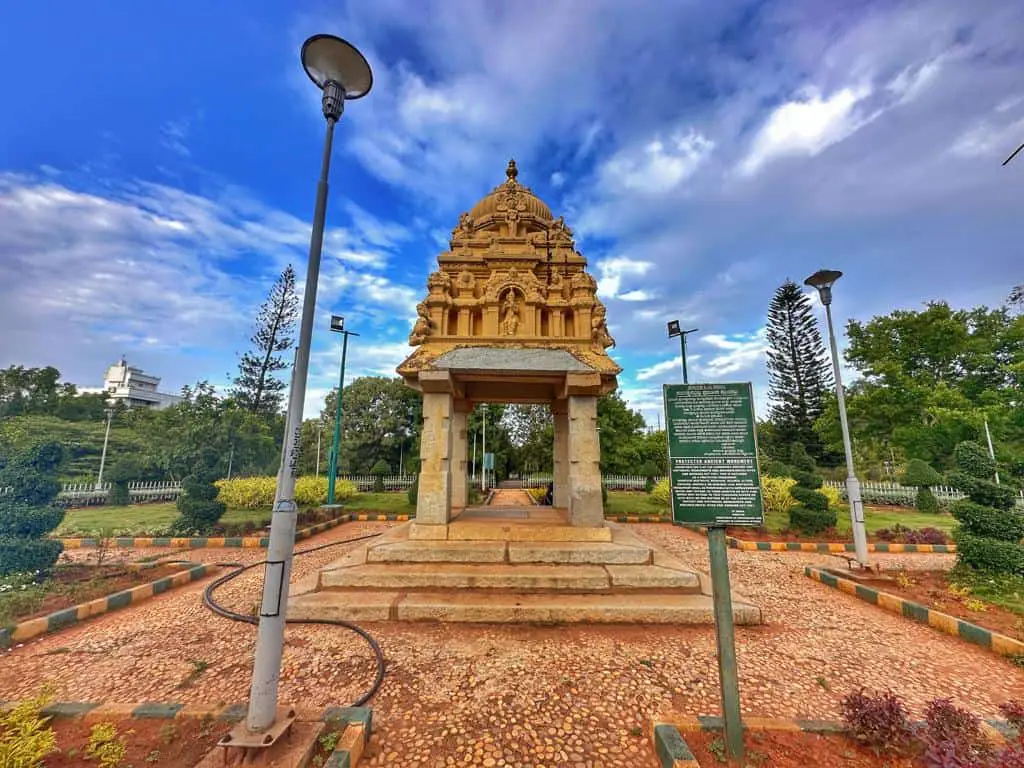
column 241, row 568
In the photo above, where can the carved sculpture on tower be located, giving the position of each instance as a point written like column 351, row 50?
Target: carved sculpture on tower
column 512, row 277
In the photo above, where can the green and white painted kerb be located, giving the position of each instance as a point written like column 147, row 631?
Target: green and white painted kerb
column 67, row 617
column 951, row 625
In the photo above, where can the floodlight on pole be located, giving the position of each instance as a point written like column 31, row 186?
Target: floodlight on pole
column 333, row 458
column 342, row 74
column 674, row 329
column 823, row 280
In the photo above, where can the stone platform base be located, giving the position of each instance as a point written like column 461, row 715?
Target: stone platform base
column 501, row 572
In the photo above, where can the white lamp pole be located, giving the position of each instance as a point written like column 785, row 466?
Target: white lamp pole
column 109, row 413
column 823, row 280
column 341, row 72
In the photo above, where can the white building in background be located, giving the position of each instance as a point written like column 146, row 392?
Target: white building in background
column 127, row 384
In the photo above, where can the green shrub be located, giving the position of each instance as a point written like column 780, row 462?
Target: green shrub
column 378, row 471
column 807, row 479
column 604, row 494
column 198, row 508
column 25, row 734
column 987, row 554
column 22, row 520
column 811, row 521
column 22, row 555
column 776, row 468
column 800, row 459
column 974, row 460
column 926, row 501
column 919, row 474
column 413, row 491
column 834, row 495
column 120, row 474
column 810, row 499
column 981, row 520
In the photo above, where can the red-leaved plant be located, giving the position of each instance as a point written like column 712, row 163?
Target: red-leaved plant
column 953, row 737
column 877, row 720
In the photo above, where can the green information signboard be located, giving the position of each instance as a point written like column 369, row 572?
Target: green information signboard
column 712, row 454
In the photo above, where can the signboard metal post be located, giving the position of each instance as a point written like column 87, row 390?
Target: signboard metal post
column 712, row 456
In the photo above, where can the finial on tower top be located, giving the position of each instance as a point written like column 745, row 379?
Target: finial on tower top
column 511, row 171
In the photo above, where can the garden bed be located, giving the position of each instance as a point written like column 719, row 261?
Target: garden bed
column 73, row 584
column 936, row 591
column 147, row 742
column 791, row 749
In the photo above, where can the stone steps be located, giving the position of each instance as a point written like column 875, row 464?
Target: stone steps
column 569, row 552
column 506, row 576
column 509, row 607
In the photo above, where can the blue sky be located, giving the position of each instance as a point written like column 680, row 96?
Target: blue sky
column 158, row 165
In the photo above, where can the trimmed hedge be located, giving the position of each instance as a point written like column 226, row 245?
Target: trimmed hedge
column 926, row 501
column 987, row 554
column 984, row 491
column 20, row 520
column 982, row 520
column 28, row 555
column 971, row 458
column 258, row 492
column 414, row 489
column 811, row 521
column 809, row 498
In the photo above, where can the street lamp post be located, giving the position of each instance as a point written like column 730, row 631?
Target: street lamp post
column 319, row 433
column 673, row 331
column 823, row 280
column 341, row 72
column 338, row 326
column 109, row 413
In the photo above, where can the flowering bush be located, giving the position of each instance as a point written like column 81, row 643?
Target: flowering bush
column 775, row 494
column 258, row 492
column 661, row 492
column 901, row 534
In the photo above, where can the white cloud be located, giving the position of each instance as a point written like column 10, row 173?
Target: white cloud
column 912, row 81
column 659, row 166
column 636, row 295
column 659, row 369
column 557, row 179
column 987, row 138
column 611, row 271
column 174, row 133
column 741, row 352
column 805, row 126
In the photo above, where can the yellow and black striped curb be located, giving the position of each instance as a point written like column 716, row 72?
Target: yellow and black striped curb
column 951, row 625
column 224, row 542
column 673, row 751
column 67, row 617
column 357, row 722
column 833, row 547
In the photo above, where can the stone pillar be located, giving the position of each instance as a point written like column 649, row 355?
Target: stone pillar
column 464, row 322
column 460, row 482
column 585, row 506
column 560, row 412
column 433, row 502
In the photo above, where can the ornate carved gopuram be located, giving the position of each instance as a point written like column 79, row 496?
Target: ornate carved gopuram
column 512, row 278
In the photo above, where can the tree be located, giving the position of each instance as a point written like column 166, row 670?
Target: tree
column 256, row 388
column 931, row 379
column 811, row 514
column 798, row 370
column 27, row 511
column 382, row 419
column 531, row 431
column 1016, row 297
column 622, row 436
column 31, row 391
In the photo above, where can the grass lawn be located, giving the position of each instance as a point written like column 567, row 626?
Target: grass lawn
column 625, row 503
column 875, row 518
column 390, row 503
column 141, row 517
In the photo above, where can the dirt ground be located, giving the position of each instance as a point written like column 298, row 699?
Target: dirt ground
column 172, row 743
column 780, row 749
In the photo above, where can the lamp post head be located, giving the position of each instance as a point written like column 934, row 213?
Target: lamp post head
column 338, row 69
column 673, row 329
column 337, row 323
column 823, row 280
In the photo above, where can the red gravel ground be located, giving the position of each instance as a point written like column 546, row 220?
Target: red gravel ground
column 512, row 695
column 169, row 743
column 780, row 749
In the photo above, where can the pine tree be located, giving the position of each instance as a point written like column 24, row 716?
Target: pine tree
column 256, row 388
column 798, row 370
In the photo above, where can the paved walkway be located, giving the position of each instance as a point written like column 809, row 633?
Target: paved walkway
column 524, row 696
